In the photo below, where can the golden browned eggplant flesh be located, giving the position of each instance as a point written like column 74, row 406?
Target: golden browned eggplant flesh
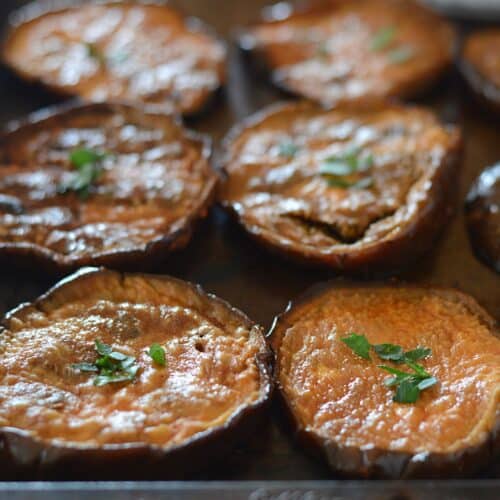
column 101, row 51
column 101, row 184
column 111, row 375
column 347, row 51
column 353, row 189
column 392, row 382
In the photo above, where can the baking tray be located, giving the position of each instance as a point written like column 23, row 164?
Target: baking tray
column 227, row 263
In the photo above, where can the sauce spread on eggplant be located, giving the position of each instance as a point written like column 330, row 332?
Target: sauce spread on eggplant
column 342, row 397
column 350, row 51
column 155, row 181
column 286, row 198
column 211, row 371
column 119, row 51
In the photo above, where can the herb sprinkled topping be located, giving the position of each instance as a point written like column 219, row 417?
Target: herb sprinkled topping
column 287, row 149
column 157, row 354
column 94, row 53
column 339, row 169
column 111, row 366
column 383, row 38
column 88, row 164
column 408, row 385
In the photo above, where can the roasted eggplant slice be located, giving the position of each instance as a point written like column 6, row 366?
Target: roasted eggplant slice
column 119, row 376
column 105, row 184
column 347, row 51
column 391, row 381
column 358, row 190
column 483, row 216
column 481, row 66
column 132, row 51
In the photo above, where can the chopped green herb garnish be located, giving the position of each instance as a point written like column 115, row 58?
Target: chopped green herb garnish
column 94, row 52
column 322, row 50
column 288, row 149
column 157, row 354
column 401, row 54
column 408, row 384
column 359, row 344
column 337, row 169
column 383, row 38
column 88, row 164
column 111, row 366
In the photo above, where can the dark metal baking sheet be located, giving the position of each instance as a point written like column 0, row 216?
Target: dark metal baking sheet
column 225, row 262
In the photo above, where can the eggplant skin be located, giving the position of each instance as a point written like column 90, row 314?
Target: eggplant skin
column 191, row 103
column 483, row 218
column 484, row 89
column 140, row 257
column 354, row 463
column 23, row 457
column 390, row 255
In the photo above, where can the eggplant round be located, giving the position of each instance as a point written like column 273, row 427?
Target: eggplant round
column 482, row 212
column 340, row 407
column 480, row 66
column 153, row 183
column 134, row 51
column 343, row 51
column 167, row 420
column 400, row 167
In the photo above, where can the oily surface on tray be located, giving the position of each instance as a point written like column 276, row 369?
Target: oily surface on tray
column 356, row 50
column 153, row 179
column 342, row 397
column 143, row 53
column 287, row 195
column 210, row 370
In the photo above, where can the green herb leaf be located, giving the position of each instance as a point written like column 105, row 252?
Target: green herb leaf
column 359, row 344
column 383, row 38
column 389, row 351
column 287, row 149
column 157, row 354
column 101, row 380
column 427, row 382
column 337, row 168
column 85, row 367
column 94, row 52
column 418, row 353
column 322, row 50
column 419, row 370
column 407, row 392
column 395, row 371
column 401, row 54
column 102, row 349
column 89, row 168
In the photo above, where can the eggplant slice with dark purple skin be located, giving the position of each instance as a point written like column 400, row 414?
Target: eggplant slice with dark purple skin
column 482, row 211
column 101, row 184
column 134, row 51
column 365, row 189
column 113, row 375
column 340, row 402
column 480, row 66
column 345, row 51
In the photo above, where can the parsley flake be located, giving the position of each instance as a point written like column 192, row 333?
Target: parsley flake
column 111, row 366
column 408, row 385
column 401, row 54
column 88, row 163
column 157, row 354
column 338, row 169
column 288, row 149
column 383, row 38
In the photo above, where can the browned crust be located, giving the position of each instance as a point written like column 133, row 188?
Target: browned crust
column 24, row 457
column 39, row 8
column 352, row 462
column 485, row 91
column 28, row 255
column 390, row 255
column 412, row 88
